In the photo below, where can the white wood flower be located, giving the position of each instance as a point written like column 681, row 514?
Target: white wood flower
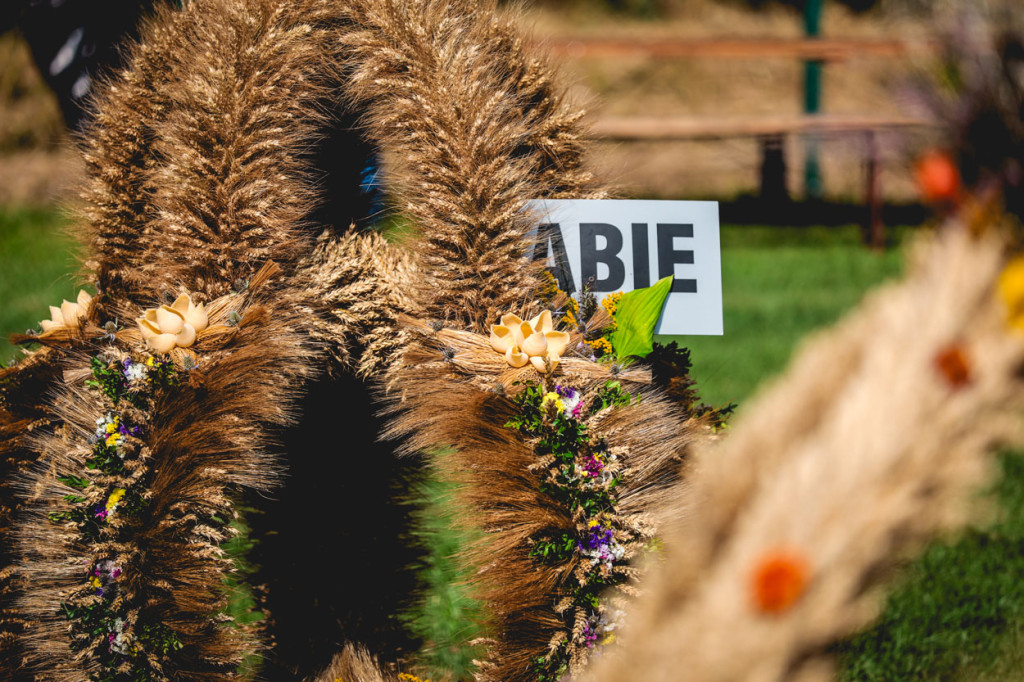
column 173, row 326
column 534, row 342
column 68, row 314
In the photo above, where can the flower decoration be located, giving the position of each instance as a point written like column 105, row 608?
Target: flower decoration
column 1011, row 289
column 937, row 177
column 780, row 579
column 103, row 575
column 173, row 326
column 572, row 400
column 534, row 342
column 119, row 642
column 952, row 363
column 598, row 543
column 552, row 398
column 600, row 628
column 68, row 314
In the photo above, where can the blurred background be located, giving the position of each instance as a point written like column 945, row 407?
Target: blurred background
column 830, row 131
column 804, row 118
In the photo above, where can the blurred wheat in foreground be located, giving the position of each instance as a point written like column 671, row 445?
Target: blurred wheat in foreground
column 873, row 441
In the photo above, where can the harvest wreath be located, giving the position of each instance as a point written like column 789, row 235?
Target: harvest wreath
column 129, row 478
column 132, row 451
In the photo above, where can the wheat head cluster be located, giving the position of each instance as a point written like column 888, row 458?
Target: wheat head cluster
column 731, row 555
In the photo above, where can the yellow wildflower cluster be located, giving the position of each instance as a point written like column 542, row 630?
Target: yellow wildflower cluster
column 611, row 302
column 549, row 292
column 554, row 399
column 601, row 346
column 406, row 677
column 115, row 497
column 113, row 432
column 549, row 287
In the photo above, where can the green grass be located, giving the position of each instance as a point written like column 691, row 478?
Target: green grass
column 957, row 613
column 778, row 284
column 36, row 259
column 446, row 618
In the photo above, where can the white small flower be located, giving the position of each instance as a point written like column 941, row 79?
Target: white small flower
column 135, row 372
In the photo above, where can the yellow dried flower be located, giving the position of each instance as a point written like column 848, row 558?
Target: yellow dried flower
column 601, row 345
column 554, row 398
column 115, row 498
column 611, row 302
column 1011, row 289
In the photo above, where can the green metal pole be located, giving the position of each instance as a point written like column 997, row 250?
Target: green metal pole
column 812, row 101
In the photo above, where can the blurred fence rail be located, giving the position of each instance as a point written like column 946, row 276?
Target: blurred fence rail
column 770, row 130
column 816, row 49
column 706, row 128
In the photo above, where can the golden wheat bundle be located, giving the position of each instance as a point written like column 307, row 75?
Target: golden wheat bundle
column 198, row 174
column 22, row 412
column 473, row 129
column 873, row 441
column 562, row 462
column 200, row 160
column 129, row 503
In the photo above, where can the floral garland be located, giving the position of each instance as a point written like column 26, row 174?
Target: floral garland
column 106, row 499
column 581, row 471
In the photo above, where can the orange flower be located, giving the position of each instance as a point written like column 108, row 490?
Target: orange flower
column 937, row 177
column 952, row 364
column 779, row 580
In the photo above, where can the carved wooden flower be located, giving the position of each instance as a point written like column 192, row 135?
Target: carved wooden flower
column 173, row 326
column 535, row 341
column 68, row 314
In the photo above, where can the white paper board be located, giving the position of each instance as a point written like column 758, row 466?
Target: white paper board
column 628, row 245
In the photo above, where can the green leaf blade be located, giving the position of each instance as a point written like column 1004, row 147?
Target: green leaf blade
column 637, row 315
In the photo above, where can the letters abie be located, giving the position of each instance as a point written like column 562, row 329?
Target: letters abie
column 626, row 245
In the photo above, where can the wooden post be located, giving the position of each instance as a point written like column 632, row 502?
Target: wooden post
column 773, row 170
column 813, row 186
column 874, row 229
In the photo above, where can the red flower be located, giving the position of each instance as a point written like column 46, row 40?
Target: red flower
column 779, row 580
column 937, row 177
column 952, row 364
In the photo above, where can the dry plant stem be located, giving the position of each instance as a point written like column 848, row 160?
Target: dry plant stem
column 354, row 664
column 196, row 168
column 23, row 410
column 860, row 452
column 476, row 130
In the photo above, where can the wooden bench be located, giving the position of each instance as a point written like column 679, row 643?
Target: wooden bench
column 771, row 130
column 813, row 49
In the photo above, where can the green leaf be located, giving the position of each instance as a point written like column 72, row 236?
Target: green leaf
column 637, row 314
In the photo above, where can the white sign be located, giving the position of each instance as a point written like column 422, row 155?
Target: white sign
column 626, row 245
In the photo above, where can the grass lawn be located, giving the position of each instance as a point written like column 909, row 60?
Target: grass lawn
column 956, row 613
column 778, row 284
column 36, row 260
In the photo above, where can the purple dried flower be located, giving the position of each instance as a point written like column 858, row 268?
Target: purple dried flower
column 593, row 465
column 589, row 635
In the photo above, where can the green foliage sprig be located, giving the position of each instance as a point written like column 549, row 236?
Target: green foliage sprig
column 580, row 473
column 112, row 482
